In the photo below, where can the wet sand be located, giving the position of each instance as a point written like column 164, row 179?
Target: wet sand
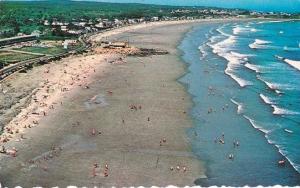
column 127, row 128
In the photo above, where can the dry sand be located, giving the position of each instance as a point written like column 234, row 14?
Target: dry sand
column 92, row 127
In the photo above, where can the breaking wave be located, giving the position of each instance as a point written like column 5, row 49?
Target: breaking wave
column 293, row 63
column 234, row 59
column 266, row 99
column 259, row 44
column 240, row 106
column 281, row 111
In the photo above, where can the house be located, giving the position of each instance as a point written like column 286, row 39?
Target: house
column 131, row 21
column 82, row 24
column 100, row 25
column 88, row 29
column 118, row 22
column 154, row 19
column 64, row 28
column 46, row 22
column 69, row 42
column 75, row 32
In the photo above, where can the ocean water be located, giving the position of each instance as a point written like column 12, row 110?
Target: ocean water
column 244, row 78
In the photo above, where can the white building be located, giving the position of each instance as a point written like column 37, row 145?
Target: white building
column 63, row 28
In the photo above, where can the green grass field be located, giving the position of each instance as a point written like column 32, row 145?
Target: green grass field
column 7, row 58
column 42, row 50
column 57, row 49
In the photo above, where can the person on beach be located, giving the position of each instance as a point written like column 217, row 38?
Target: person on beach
column 93, row 132
column 106, row 170
column 210, row 110
column 3, row 149
column 12, row 152
column 216, row 140
column 281, row 162
column 221, row 141
column 95, row 166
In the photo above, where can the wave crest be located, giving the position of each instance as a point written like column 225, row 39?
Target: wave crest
column 293, row 63
column 266, row 99
column 259, row 44
column 240, row 106
column 281, row 111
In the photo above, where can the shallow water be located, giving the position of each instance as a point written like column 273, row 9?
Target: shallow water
column 236, row 79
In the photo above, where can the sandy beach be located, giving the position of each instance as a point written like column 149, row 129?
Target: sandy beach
column 102, row 119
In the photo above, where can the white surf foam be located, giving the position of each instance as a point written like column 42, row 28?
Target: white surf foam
column 230, row 40
column 256, row 126
column 241, row 55
column 222, row 47
column 272, row 86
column 253, row 30
column 275, row 21
column 240, row 81
column 238, row 29
column 222, row 32
column 259, row 44
column 253, row 67
column 214, row 39
column 258, row 41
column 283, row 152
column 281, row 111
column 293, row 63
column 266, row 99
column 234, row 59
column 203, row 51
column 240, row 107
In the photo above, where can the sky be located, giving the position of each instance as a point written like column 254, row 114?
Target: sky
column 291, row 6
column 260, row 5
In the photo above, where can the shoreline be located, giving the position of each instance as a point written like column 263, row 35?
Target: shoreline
column 132, row 82
column 167, row 154
column 217, row 173
column 98, row 37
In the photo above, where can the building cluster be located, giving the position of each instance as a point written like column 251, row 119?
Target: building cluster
column 85, row 26
column 78, row 27
column 210, row 12
column 267, row 14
